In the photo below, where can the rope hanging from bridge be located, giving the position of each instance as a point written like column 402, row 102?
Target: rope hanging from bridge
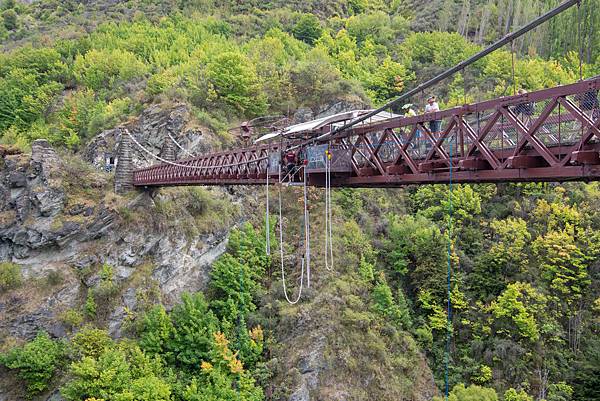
column 306, row 228
column 328, row 219
column 267, row 222
column 287, row 297
column 449, row 276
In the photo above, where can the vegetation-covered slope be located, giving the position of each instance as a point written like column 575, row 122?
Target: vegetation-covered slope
column 525, row 286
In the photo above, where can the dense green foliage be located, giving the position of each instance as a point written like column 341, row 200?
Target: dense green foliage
column 35, row 362
column 242, row 65
column 524, row 287
column 202, row 350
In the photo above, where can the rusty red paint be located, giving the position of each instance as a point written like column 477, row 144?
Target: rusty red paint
column 483, row 142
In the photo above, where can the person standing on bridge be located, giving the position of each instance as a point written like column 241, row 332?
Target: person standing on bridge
column 290, row 161
column 525, row 110
column 408, row 110
column 433, row 107
column 589, row 103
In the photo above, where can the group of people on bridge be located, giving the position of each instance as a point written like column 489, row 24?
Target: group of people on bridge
column 292, row 160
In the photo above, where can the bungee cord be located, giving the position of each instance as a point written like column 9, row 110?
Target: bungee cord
column 291, row 302
column 306, row 229
column 328, row 217
column 267, row 223
column 448, row 278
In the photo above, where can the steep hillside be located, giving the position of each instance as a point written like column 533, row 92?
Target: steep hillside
column 169, row 294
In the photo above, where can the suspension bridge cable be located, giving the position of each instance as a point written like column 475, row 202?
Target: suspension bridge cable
column 188, row 166
column 179, row 146
column 281, row 254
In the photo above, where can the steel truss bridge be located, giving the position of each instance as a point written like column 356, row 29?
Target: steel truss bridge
column 490, row 141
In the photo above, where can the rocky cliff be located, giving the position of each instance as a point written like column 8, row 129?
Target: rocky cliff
column 63, row 226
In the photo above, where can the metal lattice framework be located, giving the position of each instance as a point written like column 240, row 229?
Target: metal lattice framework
column 548, row 135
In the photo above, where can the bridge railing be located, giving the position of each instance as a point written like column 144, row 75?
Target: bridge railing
column 551, row 129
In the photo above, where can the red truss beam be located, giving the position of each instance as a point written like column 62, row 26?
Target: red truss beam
column 491, row 141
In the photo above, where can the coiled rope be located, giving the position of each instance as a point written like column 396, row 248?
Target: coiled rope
column 281, row 254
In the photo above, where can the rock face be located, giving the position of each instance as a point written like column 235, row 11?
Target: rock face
column 57, row 226
column 156, row 129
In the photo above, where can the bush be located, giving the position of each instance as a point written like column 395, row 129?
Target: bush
column 307, row 29
column 90, row 305
column 36, row 362
column 91, row 342
column 71, row 318
column 10, row 276
column 10, row 19
column 471, row 393
column 54, row 278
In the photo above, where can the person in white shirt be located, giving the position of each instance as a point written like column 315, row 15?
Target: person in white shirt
column 432, row 107
column 408, row 110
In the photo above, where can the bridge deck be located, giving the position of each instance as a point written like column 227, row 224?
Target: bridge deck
column 489, row 141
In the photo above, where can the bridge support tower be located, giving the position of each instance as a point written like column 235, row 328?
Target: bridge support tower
column 124, row 168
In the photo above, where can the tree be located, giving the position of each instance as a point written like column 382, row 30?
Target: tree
column 157, row 331
column 472, row 393
column 91, row 342
column 416, row 247
column 10, row 18
column 35, row 362
column 387, row 81
column 520, row 306
column 507, row 256
column 307, row 29
column 563, row 267
column 513, row 395
column 231, row 78
column 194, row 325
column 24, row 98
column 219, row 373
column 121, row 373
column 385, row 305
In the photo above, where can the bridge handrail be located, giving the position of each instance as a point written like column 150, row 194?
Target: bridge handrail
column 396, row 122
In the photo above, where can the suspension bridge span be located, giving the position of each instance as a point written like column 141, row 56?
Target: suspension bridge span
column 547, row 135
